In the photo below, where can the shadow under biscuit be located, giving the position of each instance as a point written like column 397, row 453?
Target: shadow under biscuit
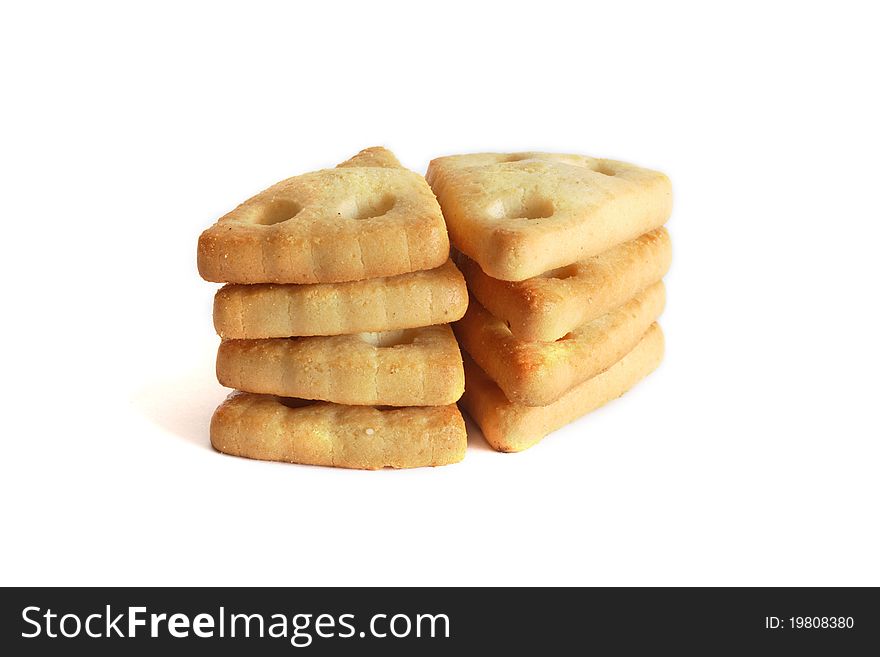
column 475, row 438
column 182, row 405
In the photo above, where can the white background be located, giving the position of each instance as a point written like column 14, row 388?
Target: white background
column 750, row 457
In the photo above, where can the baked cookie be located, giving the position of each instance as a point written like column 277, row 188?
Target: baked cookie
column 519, row 215
column 548, row 306
column 539, row 373
column 422, row 298
column 367, row 218
column 412, row 367
column 510, row 427
column 318, row 433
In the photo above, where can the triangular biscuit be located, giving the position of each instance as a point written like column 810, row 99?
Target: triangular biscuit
column 547, row 307
column 413, row 367
column 510, row 427
column 519, row 215
column 539, row 373
column 365, row 219
column 320, row 433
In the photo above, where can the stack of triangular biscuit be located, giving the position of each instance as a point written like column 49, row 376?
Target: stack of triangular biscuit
column 564, row 257
column 334, row 321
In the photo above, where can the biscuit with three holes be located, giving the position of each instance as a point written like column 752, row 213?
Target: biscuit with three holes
column 413, row 367
column 367, row 218
column 539, row 373
column 422, row 298
column 519, row 215
column 548, row 306
column 320, row 433
column 510, row 427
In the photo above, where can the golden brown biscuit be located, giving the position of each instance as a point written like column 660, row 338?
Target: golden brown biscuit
column 365, row 219
column 412, row 367
column 539, row 373
column 519, row 215
column 269, row 428
column 422, row 298
column 548, row 306
column 375, row 156
column 510, row 427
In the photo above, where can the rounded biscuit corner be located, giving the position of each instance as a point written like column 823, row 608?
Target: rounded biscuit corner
column 433, row 172
column 457, row 385
column 220, row 312
column 503, row 439
column 504, row 258
column 217, row 425
column 507, row 447
column 206, row 256
column 458, row 305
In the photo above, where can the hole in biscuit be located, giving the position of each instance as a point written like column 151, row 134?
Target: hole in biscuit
column 296, row 402
column 277, row 211
column 389, row 338
column 604, row 169
column 562, row 158
column 574, row 160
column 366, row 208
column 560, row 273
column 528, row 206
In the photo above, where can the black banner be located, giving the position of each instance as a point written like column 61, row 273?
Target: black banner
column 113, row 621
